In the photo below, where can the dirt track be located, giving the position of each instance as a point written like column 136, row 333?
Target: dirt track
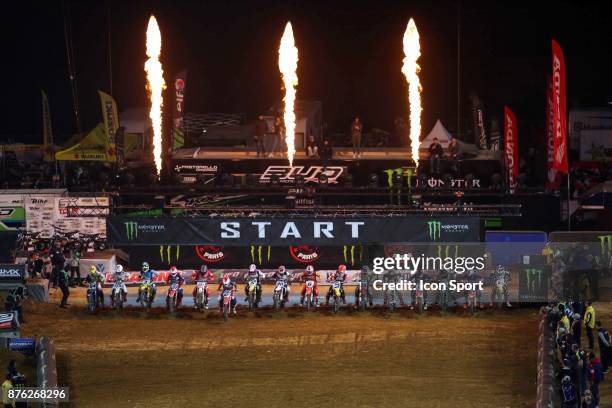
column 291, row 358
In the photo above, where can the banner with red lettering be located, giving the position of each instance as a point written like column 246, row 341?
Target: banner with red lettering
column 559, row 108
column 553, row 179
column 511, row 146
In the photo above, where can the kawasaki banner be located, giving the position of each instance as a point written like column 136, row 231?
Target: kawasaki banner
column 178, row 113
column 289, row 231
column 111, row 123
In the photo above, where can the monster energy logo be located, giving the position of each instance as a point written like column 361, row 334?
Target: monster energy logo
column 435, row 227
column 402, row 171
column 446, row 251
column 165, row 253
column 131, row 230
column 533, row 278
column 349, row 251
column 258, row 249
column 605, row 241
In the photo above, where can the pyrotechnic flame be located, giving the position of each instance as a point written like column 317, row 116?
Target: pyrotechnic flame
column 410, row 69
column 287, row 65
column 155, row 86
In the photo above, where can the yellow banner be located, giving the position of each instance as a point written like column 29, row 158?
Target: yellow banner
column 111, row 122
column 93, row 147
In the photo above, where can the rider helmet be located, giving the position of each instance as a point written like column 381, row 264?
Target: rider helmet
column 500, row 269
column 204, row 268
column 173, row 270
column 252, row 268
column 226, row 280
column 92, row 269
column 281, row 269
column 310, row 269
column 119, row 268
column 566, row 379
column 145, row 266
column 341, row 268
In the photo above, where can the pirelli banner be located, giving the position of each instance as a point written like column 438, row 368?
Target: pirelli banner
column 122, row 231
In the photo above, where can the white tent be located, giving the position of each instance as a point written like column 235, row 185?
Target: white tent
column 440, row 132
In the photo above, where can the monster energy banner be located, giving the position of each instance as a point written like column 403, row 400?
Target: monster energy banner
column 123, row 231
column 533, row 284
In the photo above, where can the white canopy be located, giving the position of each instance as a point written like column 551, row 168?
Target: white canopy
column 438, row 131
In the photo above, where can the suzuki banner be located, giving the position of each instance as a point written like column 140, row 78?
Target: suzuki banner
column 289, row 231
column 559, row 107
column 511, row 146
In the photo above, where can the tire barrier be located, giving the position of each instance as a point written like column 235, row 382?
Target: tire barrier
column 546, row 382
column 46, row 367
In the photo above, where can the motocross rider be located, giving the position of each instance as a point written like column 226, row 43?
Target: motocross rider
column 227, row 284
column 95, row 277
column 417, row 278
column 147, row 275
column 338, row 276
column 204, row 275
column 120, row 277
column 473, row 277
column 393, row 276
column 500, row 274
column 176, row 277
column 282, row 275
column 253, row 273
column 310, row 275
column 366, row 279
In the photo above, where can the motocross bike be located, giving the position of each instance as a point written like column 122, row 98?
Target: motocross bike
column 117, row 297
column 391, row 299
column 146, row 294
column 471, row 300
column 201, row 296
column 337, row 292
column 92, row 297
column 309, row 295
column 172, row 298
column 499, row 293
column 365, row 296
column 227, row 303
column 279, row 294
column 419, row 301
column 252, row 293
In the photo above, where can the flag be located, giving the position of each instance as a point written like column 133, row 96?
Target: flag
column 49, row 148
column 178, row 112
column 553, row 181
column 111, row 123
column 480, row 135
column 559, row 108
column 511, row 146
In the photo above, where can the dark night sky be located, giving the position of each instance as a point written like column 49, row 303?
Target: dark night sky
column 350, row 57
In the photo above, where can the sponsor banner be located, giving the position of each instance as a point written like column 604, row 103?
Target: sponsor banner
column 84, row 214
column 40, row 214
column 49, row 148
column 111, row 123
column 560, row 108
column 12, row 272
column 11, row 218
column 25, row 345
column 289, row 231
column 7, row 321
column 178, row 111
column 511, row 146
column 533, row 283
column 104, row 265
column 308, row 174
column 266, row 171
column 10, row 200
column 202, row 200
column 553, row 179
